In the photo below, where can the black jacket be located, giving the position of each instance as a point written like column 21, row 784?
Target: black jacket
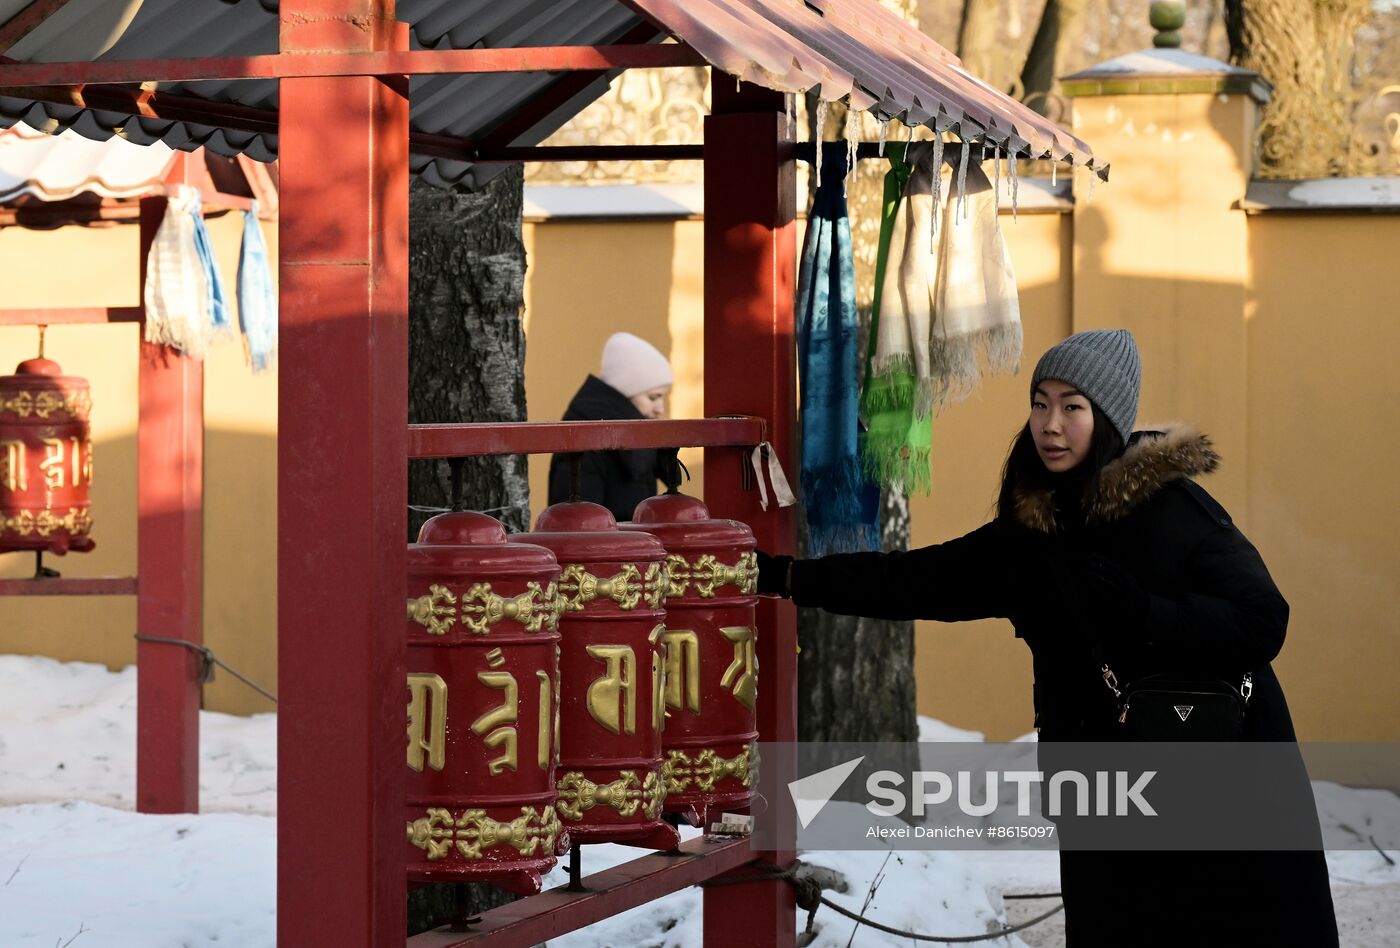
column 1211, row 610
column 619, row 480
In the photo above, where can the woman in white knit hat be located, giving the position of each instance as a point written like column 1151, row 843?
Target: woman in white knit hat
column 633, row 383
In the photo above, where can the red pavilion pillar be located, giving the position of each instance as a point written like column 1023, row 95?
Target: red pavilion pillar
column 750, row 271
column 342, row 485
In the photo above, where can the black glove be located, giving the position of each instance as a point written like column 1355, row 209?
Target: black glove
column 773, row 575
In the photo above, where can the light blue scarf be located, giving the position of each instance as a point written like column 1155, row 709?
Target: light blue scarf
column 843, row 507
column 218, row 299
column 257, row 300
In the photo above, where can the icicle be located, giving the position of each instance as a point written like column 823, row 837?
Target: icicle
column 821, row 125
column 962, row 179
column 853, row 129
column 910, row 140
column 1014, row 183
column 937, row 172
column 792, row 109
column 1054, row 167
column 982, row 152
column 738, row 84
column 996, row 187
column 884, row 130
column 1089, row 198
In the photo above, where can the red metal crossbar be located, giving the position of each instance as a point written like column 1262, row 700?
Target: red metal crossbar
column 59, row 586
column 550, row 437
column 55, row 316
column 421, row 62
column 551, row 914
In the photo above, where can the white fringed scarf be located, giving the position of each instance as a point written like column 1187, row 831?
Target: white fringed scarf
column 949, row 301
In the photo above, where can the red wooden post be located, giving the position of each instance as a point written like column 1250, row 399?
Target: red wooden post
column 169, row 563
column 342, row 486
column 750, row 255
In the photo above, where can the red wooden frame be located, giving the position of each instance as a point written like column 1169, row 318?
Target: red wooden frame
column 328, row 63
column 549, row 437
column 344, row 440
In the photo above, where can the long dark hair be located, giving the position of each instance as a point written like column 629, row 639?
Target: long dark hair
column 1025, row 471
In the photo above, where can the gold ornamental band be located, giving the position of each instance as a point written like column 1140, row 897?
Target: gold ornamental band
column 706, row 769
column 42, row 403
column 538, row 607
column 627, row 794
column 708, row 574
column 439, row 832
column 77, row 522
column 628, row 587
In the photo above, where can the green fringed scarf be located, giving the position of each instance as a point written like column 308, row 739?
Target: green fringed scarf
column 895, row 444
column 946, row 291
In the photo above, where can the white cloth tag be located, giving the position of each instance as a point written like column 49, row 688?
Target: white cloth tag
column 782, row 491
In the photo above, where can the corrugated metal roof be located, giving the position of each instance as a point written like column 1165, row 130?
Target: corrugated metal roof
column 842, row 48
column 59, row 167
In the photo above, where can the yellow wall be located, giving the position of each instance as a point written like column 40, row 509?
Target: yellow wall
column 98, row 267
column 1324, row 499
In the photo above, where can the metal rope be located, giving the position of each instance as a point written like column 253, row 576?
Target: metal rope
column 207, row 662
column 1011, row 929
column 809, row 897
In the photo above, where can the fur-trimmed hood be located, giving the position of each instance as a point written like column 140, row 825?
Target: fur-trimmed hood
column 1153, row 459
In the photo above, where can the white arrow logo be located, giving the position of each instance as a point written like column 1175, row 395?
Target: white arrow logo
column 813, row 792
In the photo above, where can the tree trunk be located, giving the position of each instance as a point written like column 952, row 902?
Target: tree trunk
column 466, row 344
column 977, row 36
column 466, row 362
column 1053, row 37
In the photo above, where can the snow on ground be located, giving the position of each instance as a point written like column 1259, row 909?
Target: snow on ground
column 76, row 865
column 68, row 732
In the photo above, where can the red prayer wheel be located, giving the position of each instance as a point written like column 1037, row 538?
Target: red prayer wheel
column 612, row 660
column 483, row 706
column 711, row 669
column 45, row 460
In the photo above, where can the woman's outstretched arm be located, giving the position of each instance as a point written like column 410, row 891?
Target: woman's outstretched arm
column 962, row 579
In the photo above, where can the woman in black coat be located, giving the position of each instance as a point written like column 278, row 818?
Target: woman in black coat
column 632, row 384
column 1105, row 550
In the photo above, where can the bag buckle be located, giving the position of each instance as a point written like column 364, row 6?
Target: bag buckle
column 1111, row 680
column 1247, row 687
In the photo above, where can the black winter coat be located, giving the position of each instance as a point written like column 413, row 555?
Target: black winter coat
column 1212, row 610
column 619, row 480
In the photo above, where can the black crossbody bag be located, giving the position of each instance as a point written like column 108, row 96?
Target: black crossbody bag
column 1167, row 708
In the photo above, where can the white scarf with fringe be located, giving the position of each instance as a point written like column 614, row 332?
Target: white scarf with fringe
column 949, row 304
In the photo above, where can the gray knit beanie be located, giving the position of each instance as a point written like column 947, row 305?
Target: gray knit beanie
column 1104, row 365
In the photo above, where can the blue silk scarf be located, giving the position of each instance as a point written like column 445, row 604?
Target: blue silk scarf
column 842, row 505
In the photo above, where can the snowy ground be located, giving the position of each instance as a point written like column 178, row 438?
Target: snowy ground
column 77, row 866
